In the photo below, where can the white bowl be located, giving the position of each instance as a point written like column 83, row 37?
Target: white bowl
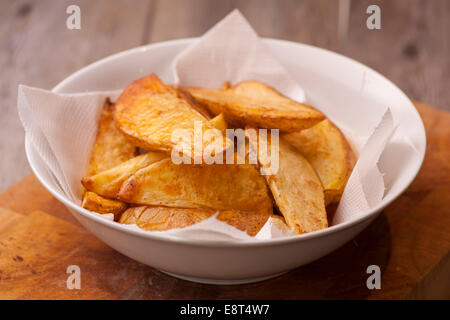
column 327, row 78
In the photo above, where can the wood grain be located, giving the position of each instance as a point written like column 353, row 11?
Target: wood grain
column 40, row 247
column 285, row 19
column 412, row 48
column 38, row 50
column 410, row 241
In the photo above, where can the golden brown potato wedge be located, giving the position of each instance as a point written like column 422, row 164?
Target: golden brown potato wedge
column 154, row 115
column 295, row 186
column 199, row 107
column 250, row 222
column 258, row 90
column 107, row 183
column 166, row 218
column 326, row 148
column 111, row 146
column 256, row 104
column 219, row 122
column 221, row 187
column 96, row 203
column 163, row 218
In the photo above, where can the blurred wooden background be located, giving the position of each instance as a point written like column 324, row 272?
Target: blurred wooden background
column 412, row 48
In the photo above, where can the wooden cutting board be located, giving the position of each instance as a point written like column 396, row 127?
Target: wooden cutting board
column 410, row 241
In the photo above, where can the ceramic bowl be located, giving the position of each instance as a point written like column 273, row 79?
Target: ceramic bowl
column 328, row 78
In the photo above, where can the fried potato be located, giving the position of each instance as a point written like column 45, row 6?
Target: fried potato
column 165, row 218
column 111, row 146
column 217, row 186
column 151, row 113
column 250, row 222
column 96, row 203
column 256, row 104
column 199, row 107
column 219, row 122
column 326, row 148
column 295, row 186
column 107, row 183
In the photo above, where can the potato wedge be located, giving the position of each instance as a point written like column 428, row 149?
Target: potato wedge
column 111, row 146
column 107, row 183
column 152, row 113
column 330, row 154
column 199, row 107
column 256, row 104
column 295, row 186
column 221, row 187
column 163, row 218
column 166, row 218
column 250, row 222
column 219, row 122
column 96, row 203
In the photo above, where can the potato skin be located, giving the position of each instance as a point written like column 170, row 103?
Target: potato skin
column 330, row 154
column 149, row 112
column 94, row 202
column 166, row 218
column 218, row 186
column 295, row 187
column 111, row 147
column 107, row 183
column 256, row 104
column 163, row 218
column 219, row 123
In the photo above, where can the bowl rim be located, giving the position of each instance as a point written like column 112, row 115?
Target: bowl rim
column 155, row 235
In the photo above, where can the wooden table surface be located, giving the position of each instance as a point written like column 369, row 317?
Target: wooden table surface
column 410, row 241
column 412, row 48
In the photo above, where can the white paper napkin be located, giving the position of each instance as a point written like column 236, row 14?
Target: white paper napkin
column 62, row 127
column 232, row 51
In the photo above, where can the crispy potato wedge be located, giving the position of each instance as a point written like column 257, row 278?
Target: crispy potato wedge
column 250, row 222
column 166, row 218
column 107, row 183
column 153, row 114
column 199, row 107
column 221, row 187
column 96, row 203
column 256, row 104
column 295, row 186
column 330, row 154
column 111, row 146
column 163, row 218
column 219, row 122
